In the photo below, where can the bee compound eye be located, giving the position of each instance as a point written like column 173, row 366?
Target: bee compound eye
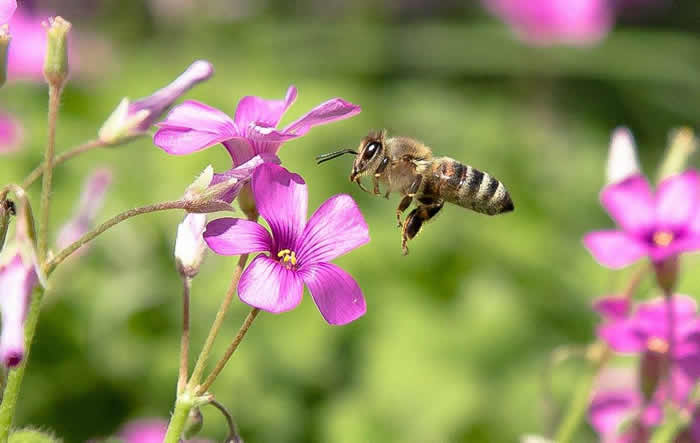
column 371, row 150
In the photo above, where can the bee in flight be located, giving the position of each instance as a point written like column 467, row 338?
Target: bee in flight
column 407, row 166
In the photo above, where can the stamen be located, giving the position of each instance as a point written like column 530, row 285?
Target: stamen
column 288, row 256
column 662, row 238
column 657, row 345
column 283, row 252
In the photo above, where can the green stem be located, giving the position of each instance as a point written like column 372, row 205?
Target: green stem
column 183, row 406
column 185, row 340
column 577, row 408
column 218, row 321
column 229, row 351
column 61, row 158
column 65, row 253
column 15, row 376
column 233, row 436
column 54, row 96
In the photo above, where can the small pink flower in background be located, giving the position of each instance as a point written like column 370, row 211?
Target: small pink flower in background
column 193, row 126
column 148, row 431
column 91, row 201
column 660, row 225
column 298, row 252
column 11, row 134
column 25, row 58
column 547, row 22
column 17, row 280
column 7, row 8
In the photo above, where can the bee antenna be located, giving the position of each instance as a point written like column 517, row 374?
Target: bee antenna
column 331, row 155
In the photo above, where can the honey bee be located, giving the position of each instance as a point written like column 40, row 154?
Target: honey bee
column 407, row 166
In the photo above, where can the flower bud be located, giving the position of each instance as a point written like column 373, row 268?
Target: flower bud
column 194, row 423
column 189, row 245
column 56, row 61
column 622, row 156
column 121, row 126
column 667, row 274
column 17, row 280
column 4, row 46
column 651, row 370
column 683, row 144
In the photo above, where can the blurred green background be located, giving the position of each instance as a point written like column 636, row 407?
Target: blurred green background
column 457, row 334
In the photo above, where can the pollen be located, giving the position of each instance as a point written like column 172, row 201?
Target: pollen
column 657, row 345
column 662, row 238
column 288, row 256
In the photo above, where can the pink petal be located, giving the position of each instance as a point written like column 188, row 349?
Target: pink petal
column 337, row 295
column 17, row 280
column 614, row 249
column 652, row 314
column 335, row 228
column 252, row 109
column 240, row 150
column 267, row 285
column 10, row 133
column 612, row 307
column 610, row 409
column 242, row 173
column 630, row 203
column 677, row 200
column 193, row 126
column 282, row 200
column 144, row 431
column 7, row 8
column 622, row 336
column 233, row 236
column 690, row 243
column 327, row 112
column 25, row 56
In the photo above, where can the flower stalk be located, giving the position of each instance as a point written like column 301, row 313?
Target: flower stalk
column 54, row 97
column 61, row 158
column 185, row 340
column 183, row 405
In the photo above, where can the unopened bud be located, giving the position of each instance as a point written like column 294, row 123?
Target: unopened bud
column 682, row 145
column 667, row 274
column 194, row 423
column 122, row 125
column 246, row 201
column 651, row 370
column 200, row 184
column 622, row 156
column 4, row 46
column 56, row 61
column 189, row 244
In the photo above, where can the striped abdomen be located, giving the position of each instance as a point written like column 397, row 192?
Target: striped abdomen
column 468, row 187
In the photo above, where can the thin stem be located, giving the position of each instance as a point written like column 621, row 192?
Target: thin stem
column 218, row 321
column 233, row 436
column 185, row 340
column 670, row 319
column 15, row 376
column 61, row 158
column 54, row 96
column 229, row 351
column 183, row 406
column 65, row 253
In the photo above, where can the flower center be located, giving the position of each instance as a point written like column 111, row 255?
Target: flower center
column 656, row 344
column 261, row 128
column 662, row 238
column 288, row 258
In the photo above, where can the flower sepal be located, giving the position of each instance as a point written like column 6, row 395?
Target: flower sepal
column 122, row 126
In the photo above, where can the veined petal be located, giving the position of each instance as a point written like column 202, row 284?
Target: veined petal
column 282, row 200
column 267, row 285
column 179, row 141
column 326, row 112
column 677, row 200
column 253, row 109
column 335, row 228
column 630, row 203
column 614, row 249
column 337, row 295
column 233, row 236
column 240, row 149
column 612, row 307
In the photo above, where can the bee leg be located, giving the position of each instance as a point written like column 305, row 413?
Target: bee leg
column 359, row 183
column 403, row 205
column 415, row 221
column 415, row 185
column 375, row 190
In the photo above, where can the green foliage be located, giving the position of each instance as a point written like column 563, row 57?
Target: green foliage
column 29, row 435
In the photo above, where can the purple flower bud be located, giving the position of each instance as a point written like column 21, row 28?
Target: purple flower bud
column 17, row 280
column 133, row 118
column 189, row 244
column 90, row 203
column 652, row 367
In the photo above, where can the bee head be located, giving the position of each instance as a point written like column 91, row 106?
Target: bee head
column 370, row 154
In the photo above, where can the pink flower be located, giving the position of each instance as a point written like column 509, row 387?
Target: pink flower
column 194, row 126
column 298, row 252
column 17, row 280
column 7, row 8
column 91, row 201
column 646, row 331
column 25, row 58
column 545, row 22
column 660, row 225
column 11, row 133
column 148, row 431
